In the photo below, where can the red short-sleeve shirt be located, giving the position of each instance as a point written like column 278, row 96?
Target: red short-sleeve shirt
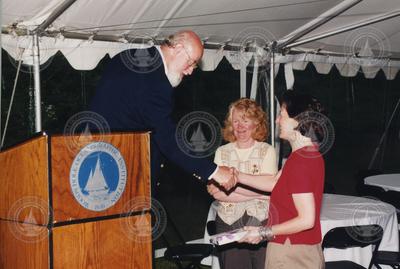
column 303, row 172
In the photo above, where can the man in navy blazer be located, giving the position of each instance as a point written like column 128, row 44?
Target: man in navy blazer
column 135, row 93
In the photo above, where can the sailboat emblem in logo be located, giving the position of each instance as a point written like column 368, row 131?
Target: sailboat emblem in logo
column 98, row 176
column 198, row 134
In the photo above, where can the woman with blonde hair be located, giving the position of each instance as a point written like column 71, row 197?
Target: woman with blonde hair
column 246, row 130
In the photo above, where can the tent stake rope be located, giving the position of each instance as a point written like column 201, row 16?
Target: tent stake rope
column 1, row 113
column 371, row 163
column 12, row 98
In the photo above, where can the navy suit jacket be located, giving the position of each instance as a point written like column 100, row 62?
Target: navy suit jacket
column 130, row 100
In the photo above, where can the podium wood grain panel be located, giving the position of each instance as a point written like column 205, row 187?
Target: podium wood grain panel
column 24, row 181
column 134, row 148
column 19, row 254
column 102, row 244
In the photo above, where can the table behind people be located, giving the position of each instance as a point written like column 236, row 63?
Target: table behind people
column 388, row 182
column 340, row 211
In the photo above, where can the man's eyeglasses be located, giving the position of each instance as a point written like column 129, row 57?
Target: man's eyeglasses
column 192, row 63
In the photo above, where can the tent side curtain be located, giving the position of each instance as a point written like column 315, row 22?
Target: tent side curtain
column 86, row 54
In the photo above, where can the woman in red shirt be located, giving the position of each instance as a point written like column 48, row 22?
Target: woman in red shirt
column 294, row 229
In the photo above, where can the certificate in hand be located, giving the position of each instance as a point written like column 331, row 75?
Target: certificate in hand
column 227, row 237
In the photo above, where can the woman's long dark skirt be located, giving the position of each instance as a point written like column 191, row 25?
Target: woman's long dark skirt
column 240, row 256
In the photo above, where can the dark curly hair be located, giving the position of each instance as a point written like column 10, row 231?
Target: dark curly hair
column 304, row 108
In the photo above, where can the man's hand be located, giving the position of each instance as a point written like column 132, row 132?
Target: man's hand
column 225, row 177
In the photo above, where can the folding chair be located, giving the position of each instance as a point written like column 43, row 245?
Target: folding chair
column 392, row 197
column 390, row 258
column 349, row 237
column 191, row 253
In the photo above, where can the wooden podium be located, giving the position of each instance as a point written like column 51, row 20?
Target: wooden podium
column 42, row 223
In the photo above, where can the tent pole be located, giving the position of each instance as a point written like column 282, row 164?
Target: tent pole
column 36, row 58
column 54, row 15
column 320, row 20
column 340, row 30
column 36, row 77
column 272, row 97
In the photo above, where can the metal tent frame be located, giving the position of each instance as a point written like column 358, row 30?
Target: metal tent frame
column 289, row 41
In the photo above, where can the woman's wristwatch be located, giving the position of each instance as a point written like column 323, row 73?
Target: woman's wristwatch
column 266, row 233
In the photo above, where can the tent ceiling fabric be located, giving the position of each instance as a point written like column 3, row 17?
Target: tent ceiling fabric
column 221, row 24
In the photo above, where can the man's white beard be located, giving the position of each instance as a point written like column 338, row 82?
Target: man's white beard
column 174, row 78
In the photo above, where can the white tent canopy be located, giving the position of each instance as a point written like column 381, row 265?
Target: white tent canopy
column 88, row 30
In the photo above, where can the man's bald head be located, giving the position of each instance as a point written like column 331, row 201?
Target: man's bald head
column 182, row 51
column 191, row 41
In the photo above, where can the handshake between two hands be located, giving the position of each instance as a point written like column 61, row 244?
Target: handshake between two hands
column 226, row 177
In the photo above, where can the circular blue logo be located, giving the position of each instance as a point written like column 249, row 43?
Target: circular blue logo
column 98, row 176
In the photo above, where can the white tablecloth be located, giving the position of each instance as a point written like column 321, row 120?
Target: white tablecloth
column 339, row 211
column 386, row 181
